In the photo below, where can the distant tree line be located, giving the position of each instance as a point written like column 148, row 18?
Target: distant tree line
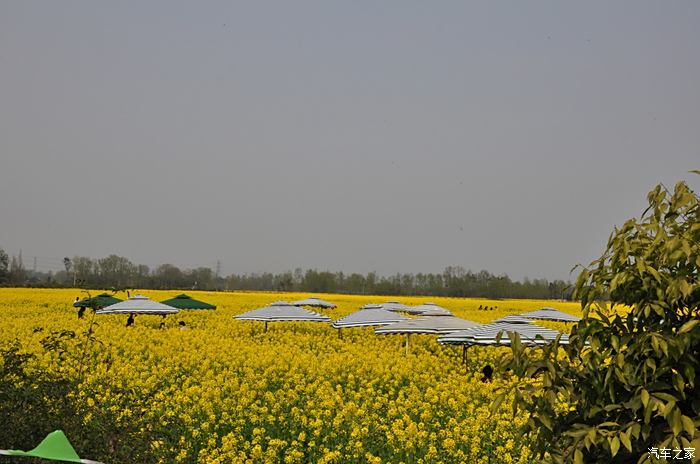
column 118, row 272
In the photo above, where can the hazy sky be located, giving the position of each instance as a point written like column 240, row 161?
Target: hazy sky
column 393, row 136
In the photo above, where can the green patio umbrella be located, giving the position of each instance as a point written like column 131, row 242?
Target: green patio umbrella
column 187, row 302
column 97, row 302
column 55, row 447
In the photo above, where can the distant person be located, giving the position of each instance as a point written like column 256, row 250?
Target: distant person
column 182, row 325
column 162, row 322
column 488, row 373
column 130, row 321
column 480, row 307
column 81, row 312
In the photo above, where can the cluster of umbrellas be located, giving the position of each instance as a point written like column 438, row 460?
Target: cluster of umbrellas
column 105, row 303
column 389, row 317
column 432, row 319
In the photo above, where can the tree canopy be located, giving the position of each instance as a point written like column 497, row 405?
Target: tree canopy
column 626, row 387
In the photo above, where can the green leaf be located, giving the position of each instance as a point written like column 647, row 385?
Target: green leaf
column 614, row 445
column 688, row 425
column 695, row 444
column 645, row 397
column 497, row 402
column 674, row 420
column 590, row 438
column 665, row 396
column 625, row 439
column 546, row 421
column 688, row 326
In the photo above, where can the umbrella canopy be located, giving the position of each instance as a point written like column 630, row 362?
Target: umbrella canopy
column 427, row 325
column 487, row 334
column 551, row 314
column 99, row 301
column 282, row 311
column 138, row 304
column 396, row 306
column 431, row 309
column 514, row 318
column 371, row 305
column 55, row 447
column 314, row 302
column 187, row 302
column 369, row 317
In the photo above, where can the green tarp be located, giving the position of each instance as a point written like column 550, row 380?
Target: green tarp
column 54, row 447
column 100, row 301
column 187, row 302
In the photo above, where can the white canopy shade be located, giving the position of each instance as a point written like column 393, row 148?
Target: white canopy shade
column 514, row 318
column 138, row 304
column 431, row 309
column 487, row 335
column 371, row 305
column 313, row 301
column 396, row 306
column 368, row 317
column 551, row 314
column 427, row 325
column 282, row 311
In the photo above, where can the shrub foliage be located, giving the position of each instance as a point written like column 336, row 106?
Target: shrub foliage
column 628, row 380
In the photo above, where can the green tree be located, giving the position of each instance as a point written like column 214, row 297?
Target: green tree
column 628, row 380
column 4, row 266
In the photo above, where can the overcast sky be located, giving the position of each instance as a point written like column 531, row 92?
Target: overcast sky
column 398, row 136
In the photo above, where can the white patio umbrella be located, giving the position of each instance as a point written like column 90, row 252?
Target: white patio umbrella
column 515, row 318
column 497, row 333
column 367, row 317
column 138, row 304
column 314, row 302
column 530, row 334
column 550, row 314
column 431, row 309
column 396, row 306
column 434, row 325
column 280, row 311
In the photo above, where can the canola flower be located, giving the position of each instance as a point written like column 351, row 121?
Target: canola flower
column 224, row 391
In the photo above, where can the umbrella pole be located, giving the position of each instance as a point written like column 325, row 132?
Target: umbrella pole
column 340, row 333
column 265, row 326
column 407, row 336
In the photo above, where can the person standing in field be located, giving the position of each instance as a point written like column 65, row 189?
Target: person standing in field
column 130, row 321
column 488, row 373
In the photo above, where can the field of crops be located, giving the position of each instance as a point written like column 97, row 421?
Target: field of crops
column 226, row 391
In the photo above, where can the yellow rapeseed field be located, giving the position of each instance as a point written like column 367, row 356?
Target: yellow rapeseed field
column 224, row 391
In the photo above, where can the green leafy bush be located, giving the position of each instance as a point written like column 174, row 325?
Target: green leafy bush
column 628, row 380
